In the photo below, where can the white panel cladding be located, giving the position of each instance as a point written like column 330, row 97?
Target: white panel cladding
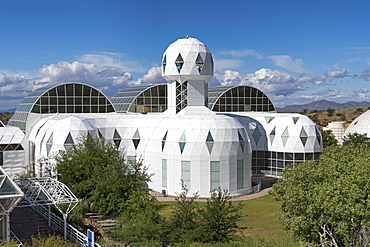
column 188, row 69
column 196, row 93
column 15, row 162
column 277, row 123
column 152, row 128
column 360, row 125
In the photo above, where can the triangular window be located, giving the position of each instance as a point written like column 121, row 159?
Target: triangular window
column 68, row 142
column 318, row 135
column 272, row 135
column 269, row 119
column 164, row 63
column 179, row 62
column 182, row 142
column 241, row 141
column 209, row 142
column 136, row 138
column 199, row 62
column 49, row 144
column 295, row 119
column 164, row 140
column 285, row 136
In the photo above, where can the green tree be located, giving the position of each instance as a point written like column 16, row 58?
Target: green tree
column 328, row 139
column 184, row 221
column 326, row 203
column 356, row 139
column 141, row 224
column 219, row 218
column 98, row 174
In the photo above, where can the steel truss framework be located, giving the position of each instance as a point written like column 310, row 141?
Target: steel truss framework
column 46, row 191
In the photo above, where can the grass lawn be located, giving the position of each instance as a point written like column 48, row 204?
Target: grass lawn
column 261, row 221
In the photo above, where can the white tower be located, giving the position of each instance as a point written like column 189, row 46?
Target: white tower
column 187, row 66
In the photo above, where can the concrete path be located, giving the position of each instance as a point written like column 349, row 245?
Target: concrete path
column 266, row 183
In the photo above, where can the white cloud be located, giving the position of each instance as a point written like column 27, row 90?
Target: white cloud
column 337, row 73
column 365, row 75
column 222, row 64
column 287, row 62
column 153, row 76
column 269, row 81
column 110, row 59
column 242, row 53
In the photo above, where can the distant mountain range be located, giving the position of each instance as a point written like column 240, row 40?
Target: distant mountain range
column 322, row 105
column 9, row 110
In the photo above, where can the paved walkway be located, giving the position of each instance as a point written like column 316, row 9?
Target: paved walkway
column 26, row 222
column 266, row 183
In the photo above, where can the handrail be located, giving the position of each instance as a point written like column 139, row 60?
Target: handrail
column 72, row 232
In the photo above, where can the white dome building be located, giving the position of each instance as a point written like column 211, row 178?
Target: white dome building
column 205, row 137
column 360, row 125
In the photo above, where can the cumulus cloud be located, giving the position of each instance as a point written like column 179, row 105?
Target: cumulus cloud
column 365, row 75
column 269, row 81
column 242, row 53
column 111, row 59
column 153, row 76
column 222, row 64
column 287, row 62
column 337, row 73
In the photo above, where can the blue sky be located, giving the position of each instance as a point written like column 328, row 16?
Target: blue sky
column 295, row 51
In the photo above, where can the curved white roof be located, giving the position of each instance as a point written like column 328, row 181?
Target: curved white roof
column 360, row 124
column 187, row 58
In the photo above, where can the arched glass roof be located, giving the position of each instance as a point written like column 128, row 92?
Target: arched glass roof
column 149, row 98
column 63, row 98
column 238, row 99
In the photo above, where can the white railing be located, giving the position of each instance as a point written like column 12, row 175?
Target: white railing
column 256, row 187
column 72, row 232
column 14, row 238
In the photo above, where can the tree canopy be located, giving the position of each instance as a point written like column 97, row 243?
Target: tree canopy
column 356, row 139
column 99, row 175
column 328, row 139
column 326, row 202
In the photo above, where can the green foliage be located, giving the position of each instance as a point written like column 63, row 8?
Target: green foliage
column 359, row 109
column 219, row 218
column 328, row 138
column 356, row 139
column 326, row 203
column 141, row 224
column 51, row 240
column 188, row 223
column 315, row 118
column 184, row 221
column 330, row 111
column 249, row 242
column 98, row 174
column 339, row 114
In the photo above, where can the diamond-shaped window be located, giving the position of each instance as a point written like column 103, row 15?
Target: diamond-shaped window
column 269, row 119
column 49, row 144
column 179, row 62
column 164, row 140
column 318, row 135
column 256, row 135
column 199, row 62
column 182, row 142
column 116, row 138
column 241, row 141
column 295, row 119
column 272, row 135
column 303, row 136
column 210, row 142
column 68, row 142
column 136, row 138
column 285, row 136
column 164, row 63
